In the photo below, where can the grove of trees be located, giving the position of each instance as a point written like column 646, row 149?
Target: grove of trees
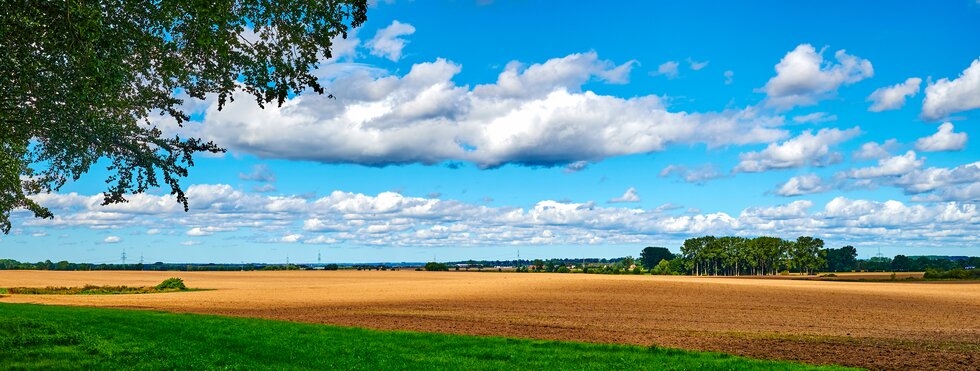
column 734, row 256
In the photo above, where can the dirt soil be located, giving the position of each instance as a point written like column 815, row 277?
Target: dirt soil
column 877, row 325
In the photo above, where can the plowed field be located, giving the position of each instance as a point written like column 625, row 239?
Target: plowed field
column 887, row 325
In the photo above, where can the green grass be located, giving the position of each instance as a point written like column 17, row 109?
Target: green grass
column 87, row 290
column 36, row 337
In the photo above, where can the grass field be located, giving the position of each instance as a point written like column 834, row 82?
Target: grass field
column 45, row 337
column 877, row 325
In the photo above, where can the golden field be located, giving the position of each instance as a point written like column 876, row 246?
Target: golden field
column 869, row 324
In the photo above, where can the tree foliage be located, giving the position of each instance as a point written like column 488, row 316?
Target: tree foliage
column 651, row 256
column 80, row 81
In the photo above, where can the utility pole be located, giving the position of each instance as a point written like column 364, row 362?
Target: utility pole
column 124, row 256
column 318, row 258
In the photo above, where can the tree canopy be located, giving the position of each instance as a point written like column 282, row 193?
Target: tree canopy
column 651, row 256
column 80, row 81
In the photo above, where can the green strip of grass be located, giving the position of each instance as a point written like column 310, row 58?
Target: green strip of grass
column 35, row 336
column 88, row 290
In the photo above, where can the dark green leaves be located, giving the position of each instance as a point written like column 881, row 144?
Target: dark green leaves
column 80, row 80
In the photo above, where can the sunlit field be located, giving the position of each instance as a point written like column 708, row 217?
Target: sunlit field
column 920, row 324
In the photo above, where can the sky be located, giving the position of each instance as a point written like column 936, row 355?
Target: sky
column 487, row 129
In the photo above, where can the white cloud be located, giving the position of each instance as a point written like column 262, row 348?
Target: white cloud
column 803, row 77
column 392, row 220
column 260, row 173
column 893, row 97
column 264, row 188
column 112, row 239
column 695, row 65
column 892, row 166
column 532, row 115
column 873, row 150
column 815, row 118
column 803, row 185
column 943, row 140
column 946, row 97
column 629, row 196
column 698, row 175
column 729, row 77
column 207, row 231
column 388, row 42
column 290, row 238
column 805, row 149
column 949, row 183
column 668, row 69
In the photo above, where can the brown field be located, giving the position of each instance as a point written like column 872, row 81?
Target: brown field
column 891, row 325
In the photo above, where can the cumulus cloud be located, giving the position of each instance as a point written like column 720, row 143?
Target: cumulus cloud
column 629, row 196
column 207, row 231
column 874, row 150
column 532, row 115
column 668, row 69
column 695, row 65
column 291, row 238
column 892, row 166
column 814, row 118
column 260, row 173
column 907, row 172
column 698, row 175
column 388, row 42
column 946, row 97
column 943, row 140
column 803, row 77
column 391, row 219
column 893, row 97
column 112, row 239
column 806, row 149
column 946, row 183
column 729, row 77
column 803, row 185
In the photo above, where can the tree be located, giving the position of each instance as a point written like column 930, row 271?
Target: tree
column 805, row 254
column 663, row 267
column 538, row 264
column 843, row 259
column 901, row 263
column 699, row 252
column 434, row 266
column 81, row 80
column 651, row 256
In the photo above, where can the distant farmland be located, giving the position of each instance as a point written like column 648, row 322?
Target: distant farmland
column 897, row 325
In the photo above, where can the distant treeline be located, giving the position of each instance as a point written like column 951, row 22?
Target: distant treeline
column 9, row 264
column 735, row 256
column 158, row 266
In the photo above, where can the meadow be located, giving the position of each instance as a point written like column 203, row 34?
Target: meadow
column 51, row 337
column 878, row 325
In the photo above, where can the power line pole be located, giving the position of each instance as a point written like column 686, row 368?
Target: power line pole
column 124, row 256
column 318, row 262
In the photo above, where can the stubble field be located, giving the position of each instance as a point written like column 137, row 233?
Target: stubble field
column 892, row 325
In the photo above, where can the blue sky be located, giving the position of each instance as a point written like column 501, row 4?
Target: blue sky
column 475, row 129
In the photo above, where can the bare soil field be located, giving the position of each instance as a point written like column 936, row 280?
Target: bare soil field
column 878, row 325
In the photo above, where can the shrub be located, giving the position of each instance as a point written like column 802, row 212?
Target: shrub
column 563, row 269
column 784, row 273
column 172, row 283
column 637, row 270
column 433, row 266
column 956, row 274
